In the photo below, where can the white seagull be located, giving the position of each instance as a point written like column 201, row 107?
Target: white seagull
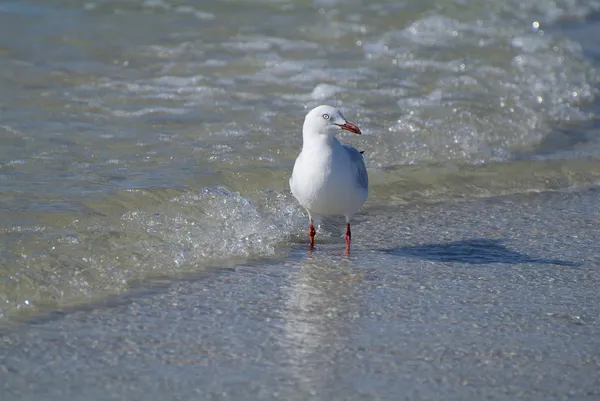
column 328, row 178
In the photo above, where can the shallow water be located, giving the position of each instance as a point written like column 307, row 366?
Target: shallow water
column 145, row 149
column 472, row 299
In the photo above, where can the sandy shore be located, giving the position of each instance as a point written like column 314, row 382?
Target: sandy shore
column 482, row 299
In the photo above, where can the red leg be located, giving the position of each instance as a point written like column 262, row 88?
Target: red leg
column 311, row 233
column 348, row 238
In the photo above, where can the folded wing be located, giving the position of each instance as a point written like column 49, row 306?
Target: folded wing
column 358, row 163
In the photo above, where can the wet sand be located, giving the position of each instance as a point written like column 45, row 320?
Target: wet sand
column 480, row 299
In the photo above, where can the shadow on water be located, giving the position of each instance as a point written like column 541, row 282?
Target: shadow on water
column 476, row 251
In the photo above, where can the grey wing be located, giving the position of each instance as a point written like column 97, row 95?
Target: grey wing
column 358, row 162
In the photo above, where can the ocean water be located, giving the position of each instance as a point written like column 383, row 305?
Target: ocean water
column 145, row 142
column 149, row 138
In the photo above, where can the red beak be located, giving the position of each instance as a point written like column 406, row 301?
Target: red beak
column 350, row 127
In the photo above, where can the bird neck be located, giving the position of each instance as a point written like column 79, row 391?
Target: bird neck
column 321, row 140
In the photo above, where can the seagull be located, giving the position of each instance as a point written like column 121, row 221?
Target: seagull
column 328, row 178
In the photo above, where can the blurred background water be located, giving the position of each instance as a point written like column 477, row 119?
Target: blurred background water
column 142, row 139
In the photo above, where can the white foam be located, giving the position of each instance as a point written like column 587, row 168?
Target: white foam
column 201, row 15
column 215, row 224
column 146, row 111
column 323, row 91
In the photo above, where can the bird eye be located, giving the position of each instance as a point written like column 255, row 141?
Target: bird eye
column 326, row 116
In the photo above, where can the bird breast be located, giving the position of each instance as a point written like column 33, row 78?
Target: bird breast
column 324, row 187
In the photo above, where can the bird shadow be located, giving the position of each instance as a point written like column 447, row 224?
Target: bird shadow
column 477, row 251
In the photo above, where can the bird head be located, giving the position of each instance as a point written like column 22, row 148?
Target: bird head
column 327, row 120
